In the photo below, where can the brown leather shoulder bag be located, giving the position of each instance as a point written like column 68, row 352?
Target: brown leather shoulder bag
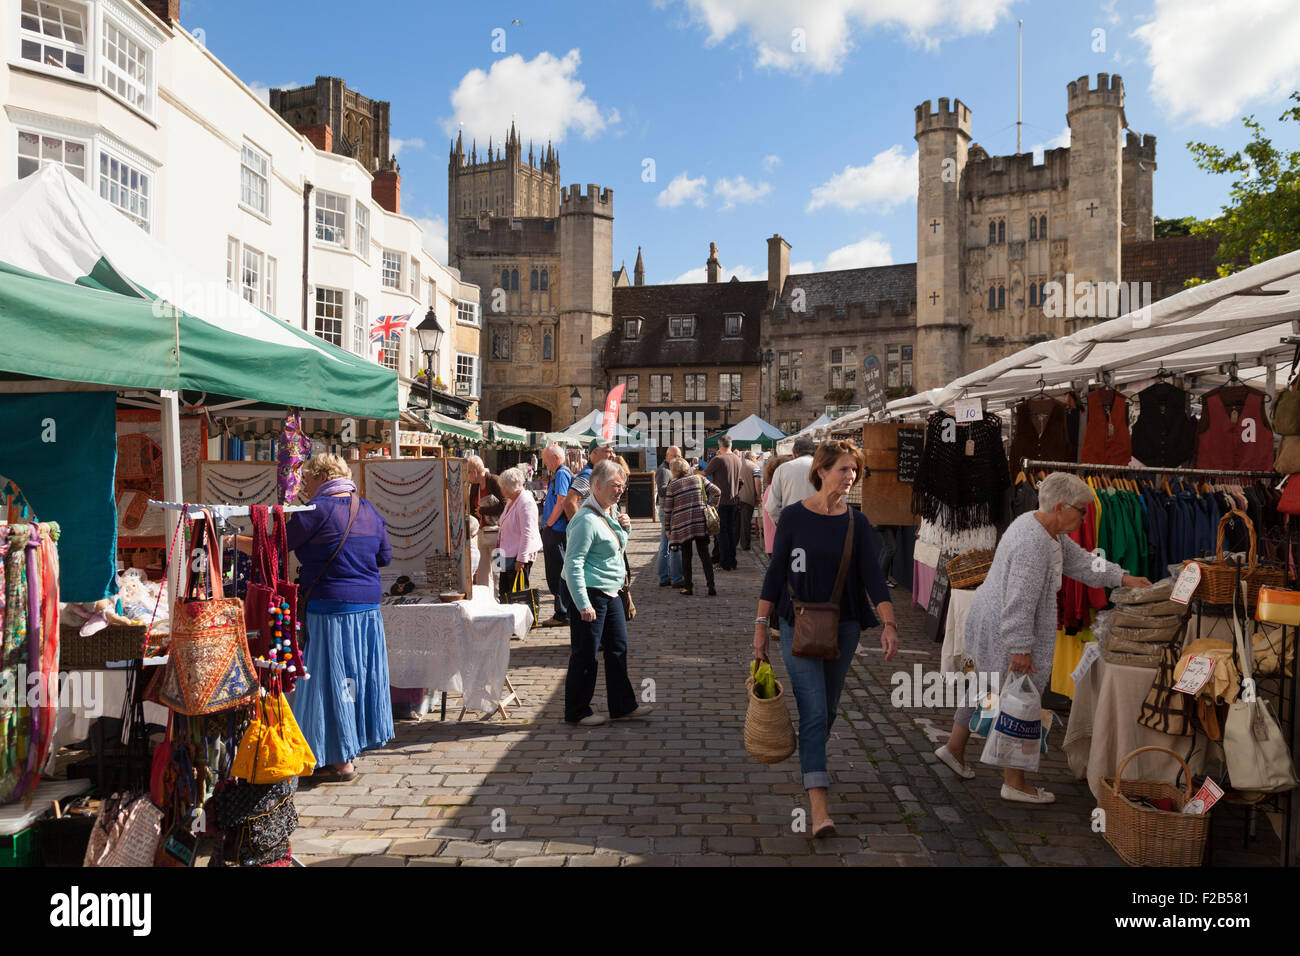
column 817, row 626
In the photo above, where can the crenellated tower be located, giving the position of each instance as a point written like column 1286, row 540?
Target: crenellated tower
column 586, row 306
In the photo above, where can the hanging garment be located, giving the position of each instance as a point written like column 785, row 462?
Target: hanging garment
column 1164, row 435
column 1076, row 601
column 1230, row 416
column 1107, row 442
column 294, row 449
column 962, row 474
column 1041, row 433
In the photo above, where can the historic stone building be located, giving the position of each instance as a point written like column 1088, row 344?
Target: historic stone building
column 358, row 125
column 542, row 254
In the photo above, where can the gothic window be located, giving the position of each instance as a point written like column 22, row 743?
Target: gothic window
column 1042, row 227
column 505, row 279
column 993, row 297
column 1002, row 297
column 1042, row 293
column 547, row 352
column 1033, row 288
column 993, row 232
column 546, row 280
column 1033, row 227
column 501, row 343
column 1002, row 231
column 514, row 280
column 533, row 281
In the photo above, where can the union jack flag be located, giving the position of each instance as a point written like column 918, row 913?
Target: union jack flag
column 388, row 327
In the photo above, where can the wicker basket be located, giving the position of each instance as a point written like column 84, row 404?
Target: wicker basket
column 117, row 642
column 769, row 734
column 969, row 569
column 1219, row 577
column 1145, row 836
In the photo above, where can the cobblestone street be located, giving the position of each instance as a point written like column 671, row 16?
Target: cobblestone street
column 679, row 788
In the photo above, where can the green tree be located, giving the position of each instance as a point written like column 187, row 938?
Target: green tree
column 1263, row 219
column 1164, row 228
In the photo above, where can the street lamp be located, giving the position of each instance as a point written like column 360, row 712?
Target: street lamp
column 768, row 358
column 429, row 336
column 575, row 399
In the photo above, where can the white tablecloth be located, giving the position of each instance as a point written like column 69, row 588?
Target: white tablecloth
column 1103, row 728
column 954, row 630
column 462, row 647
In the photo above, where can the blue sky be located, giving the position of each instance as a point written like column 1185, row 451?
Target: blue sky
column 748, row 109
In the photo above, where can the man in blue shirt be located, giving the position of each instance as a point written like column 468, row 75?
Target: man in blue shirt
column 554, row 526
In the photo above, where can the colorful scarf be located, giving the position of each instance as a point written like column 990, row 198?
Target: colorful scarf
column 336, row 485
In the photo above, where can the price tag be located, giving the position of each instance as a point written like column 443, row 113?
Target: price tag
column 1186, row 584
column 969, row 410
column 1090, row 654
column 1205, row 798
column 1198, row 671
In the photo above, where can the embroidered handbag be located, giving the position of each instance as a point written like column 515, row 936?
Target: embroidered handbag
column 257, row 821
column 817, row 626
column 273, row 748
column 271, row 605
column 209, row 667
column 531, row 597
column 710, row 513
column 126, row 832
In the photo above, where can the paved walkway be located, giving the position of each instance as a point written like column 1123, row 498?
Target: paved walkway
column 678, row 788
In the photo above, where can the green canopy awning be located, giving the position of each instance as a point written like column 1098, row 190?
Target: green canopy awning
column 506, row 435
column 449, row 426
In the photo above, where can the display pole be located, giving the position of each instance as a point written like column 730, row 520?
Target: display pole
column 171, row 455
column 396, row 450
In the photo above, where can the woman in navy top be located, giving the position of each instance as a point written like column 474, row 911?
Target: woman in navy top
column 806, row 553
column 345, row 707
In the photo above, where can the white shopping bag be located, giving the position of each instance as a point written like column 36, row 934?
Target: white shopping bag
column 1016, row 736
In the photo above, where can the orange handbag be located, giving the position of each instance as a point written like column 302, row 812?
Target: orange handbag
column 273, row 747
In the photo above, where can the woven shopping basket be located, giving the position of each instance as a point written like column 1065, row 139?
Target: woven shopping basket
column 969, row 569
column 117, row 642
column 1146, row 836
column 1219, row 577
column 769, row 733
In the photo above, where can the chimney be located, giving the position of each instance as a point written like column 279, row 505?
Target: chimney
column 778, row 268
column 386, row 189
column 169, row 11
column 320, row 136
column 713, row 266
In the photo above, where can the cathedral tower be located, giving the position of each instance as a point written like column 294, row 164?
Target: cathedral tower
column 1096, row 118
column 586, row 293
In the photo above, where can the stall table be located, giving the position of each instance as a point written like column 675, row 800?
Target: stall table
column 462, row 647
column 954, row 637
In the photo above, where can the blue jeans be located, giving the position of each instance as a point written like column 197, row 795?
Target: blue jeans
column 670, row 562
column 608, row 632
column 817, row 685
column 726, row 537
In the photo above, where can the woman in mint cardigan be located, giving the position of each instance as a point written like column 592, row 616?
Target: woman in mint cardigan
column 593, row 572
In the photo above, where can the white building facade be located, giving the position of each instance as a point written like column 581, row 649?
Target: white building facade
column 146, row 116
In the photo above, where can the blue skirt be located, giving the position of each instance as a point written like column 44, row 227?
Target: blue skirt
column 345, row 707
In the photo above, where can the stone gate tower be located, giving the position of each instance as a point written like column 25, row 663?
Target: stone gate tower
column 586, row 307
column 942, row 329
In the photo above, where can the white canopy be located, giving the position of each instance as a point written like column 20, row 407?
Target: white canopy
column 752, row 429
column 1241, row 318
column 816, row 430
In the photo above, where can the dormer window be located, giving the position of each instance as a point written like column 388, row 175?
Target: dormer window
column 681, row 326
column 732, row 326
column 632, row 329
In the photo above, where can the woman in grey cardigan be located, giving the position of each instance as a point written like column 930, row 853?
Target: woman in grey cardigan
column 1012, row 622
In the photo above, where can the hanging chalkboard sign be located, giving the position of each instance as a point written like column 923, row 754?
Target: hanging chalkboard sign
column 873, row 384
column 911, row 441
column 936, row 613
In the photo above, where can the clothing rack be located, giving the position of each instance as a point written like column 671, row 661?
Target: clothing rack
column 1027, row 464
column 218, row 511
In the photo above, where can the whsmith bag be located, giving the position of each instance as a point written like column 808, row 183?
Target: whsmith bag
column 208, row 667
column 817, row 626
column 1015, row 739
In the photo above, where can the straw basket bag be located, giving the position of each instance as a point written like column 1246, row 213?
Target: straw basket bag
column 1219, row 576
column 969, row 569
column 1145, row 836
column 769, row 733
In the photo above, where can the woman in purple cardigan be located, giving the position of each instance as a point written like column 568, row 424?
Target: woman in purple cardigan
column 345, row 707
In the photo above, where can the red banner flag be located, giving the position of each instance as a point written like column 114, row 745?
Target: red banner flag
column 611, row 411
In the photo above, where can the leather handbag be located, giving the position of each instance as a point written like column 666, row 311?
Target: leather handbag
column 817, row 626
column 711, row 520
column 273, row 747
column 1288, row 453
column 1257, row 755
column 1286, row 411
column 209, row 667
column 530, row 597
column 271, row 604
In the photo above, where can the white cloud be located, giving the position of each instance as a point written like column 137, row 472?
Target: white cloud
column 771, row 162
column 772, row 27
column 1212, row 59
column 872, row 251
column 743, row 273
column 1108, row 8
column 739, row 191
column 887, row 181
column 1060, row 139
column 395, row 145
column 544, row 93
column 806, row 265
column 435, row 237
column 263, row 92
column 681, row 190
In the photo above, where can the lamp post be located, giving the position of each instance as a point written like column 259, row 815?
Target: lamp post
column 429, row 334
column 575, row 399
column 768, row 358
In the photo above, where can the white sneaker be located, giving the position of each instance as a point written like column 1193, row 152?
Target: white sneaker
column 1019, row 796
column 643, row 710
column 955, row 765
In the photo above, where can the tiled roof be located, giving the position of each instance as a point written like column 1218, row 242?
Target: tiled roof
column 1171, row 259
column 708, row 302
column 869, row 288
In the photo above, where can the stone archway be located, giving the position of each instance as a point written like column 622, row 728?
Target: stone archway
column 526, row 415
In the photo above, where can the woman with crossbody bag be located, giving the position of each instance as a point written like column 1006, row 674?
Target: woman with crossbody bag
column 689, row 500
column 346, row 706
column 823, row 580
